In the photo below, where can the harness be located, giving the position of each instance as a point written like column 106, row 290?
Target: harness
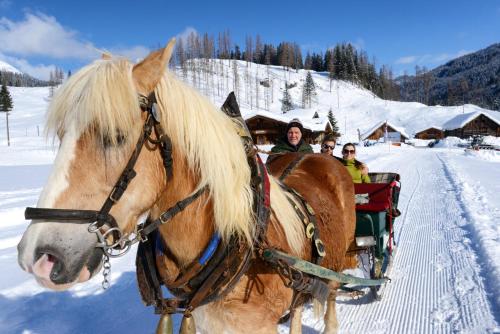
column 215, row 273
column 219, row 267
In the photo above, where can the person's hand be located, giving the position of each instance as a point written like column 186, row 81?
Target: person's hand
column 364, row 170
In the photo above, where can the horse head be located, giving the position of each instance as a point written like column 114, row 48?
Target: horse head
column 97, row 117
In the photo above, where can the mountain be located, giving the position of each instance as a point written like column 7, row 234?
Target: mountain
column 11, row 76
column 473, row 78
column 5, row 67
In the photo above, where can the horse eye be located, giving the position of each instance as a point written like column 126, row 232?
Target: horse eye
column 119, row 140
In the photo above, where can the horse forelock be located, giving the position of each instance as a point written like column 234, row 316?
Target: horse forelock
column 209, row 141
column 101, row 96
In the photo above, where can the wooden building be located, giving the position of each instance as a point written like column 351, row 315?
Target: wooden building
column 434, row 132
column 266, row 128
column 472, row 124
column 387, row 131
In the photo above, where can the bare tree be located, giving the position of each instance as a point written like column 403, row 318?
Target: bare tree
column 258, row 50
column 236, row 79
column 248, row 50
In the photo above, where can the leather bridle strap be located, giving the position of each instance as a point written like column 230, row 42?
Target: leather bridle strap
column 169, row 214
column 64, row 215
column 128, row 173
column 101, row 217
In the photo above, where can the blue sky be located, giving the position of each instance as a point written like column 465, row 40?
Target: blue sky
column 37, row 35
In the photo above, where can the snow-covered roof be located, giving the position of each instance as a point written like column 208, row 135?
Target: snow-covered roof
column 400, row 129
column 430, row 127
column 462, row 119
column 314, row 124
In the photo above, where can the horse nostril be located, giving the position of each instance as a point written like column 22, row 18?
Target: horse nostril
column 56, row 267
column 52, row 264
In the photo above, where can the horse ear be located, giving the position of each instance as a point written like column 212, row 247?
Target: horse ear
column 148, row 72
column 106, row 56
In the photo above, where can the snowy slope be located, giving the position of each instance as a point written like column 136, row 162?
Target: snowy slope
column 7, row 67
column 446, row 272
column 353, row 107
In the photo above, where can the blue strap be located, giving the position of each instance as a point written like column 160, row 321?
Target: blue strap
column 207, row 254
column 209, row 251
column 159, row 245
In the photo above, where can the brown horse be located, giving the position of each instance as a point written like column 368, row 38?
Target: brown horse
column 97, row 117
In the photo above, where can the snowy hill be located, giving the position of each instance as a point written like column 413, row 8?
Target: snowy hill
column 353, row 107
column 8, row 68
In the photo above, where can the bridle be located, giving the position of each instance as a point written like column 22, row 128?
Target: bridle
column 111, row 238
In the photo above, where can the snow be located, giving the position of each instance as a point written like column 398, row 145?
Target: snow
column 451, row 142
column 460, row 120
column 8, row 68
column 490, row 140
column 446, row 273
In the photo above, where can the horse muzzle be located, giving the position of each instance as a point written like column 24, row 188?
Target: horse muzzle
column 55, row 258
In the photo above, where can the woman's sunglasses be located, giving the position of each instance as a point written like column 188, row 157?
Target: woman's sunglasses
column 326, row 147
column 349, row 151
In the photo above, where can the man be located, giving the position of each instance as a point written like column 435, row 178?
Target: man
column 328, row 144
column 292, row 142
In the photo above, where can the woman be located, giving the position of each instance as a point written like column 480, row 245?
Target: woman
column 357, row 169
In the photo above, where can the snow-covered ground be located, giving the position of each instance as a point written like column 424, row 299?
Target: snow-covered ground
column 446, row 273
column 445, row 277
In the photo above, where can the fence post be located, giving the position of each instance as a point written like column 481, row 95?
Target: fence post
column 8, row 135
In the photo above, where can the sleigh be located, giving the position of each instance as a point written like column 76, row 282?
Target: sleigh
column 376, row 211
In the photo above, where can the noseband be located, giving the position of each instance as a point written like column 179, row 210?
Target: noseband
column 110, row 237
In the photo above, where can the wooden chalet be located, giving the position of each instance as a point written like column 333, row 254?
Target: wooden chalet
column 472, row 124
column 434, row 132
column 387, row 131
column 266, row 128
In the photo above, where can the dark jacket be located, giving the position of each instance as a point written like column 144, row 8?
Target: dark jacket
column 283, row 146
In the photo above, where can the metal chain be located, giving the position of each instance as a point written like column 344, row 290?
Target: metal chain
column 111, row 247
column 106, row 272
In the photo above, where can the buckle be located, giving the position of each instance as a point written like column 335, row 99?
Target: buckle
column 320, row 247
column 310, row 230
column 111, row 196
column 164, row 220
column 141, row 236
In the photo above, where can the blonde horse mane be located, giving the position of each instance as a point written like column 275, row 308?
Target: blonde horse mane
column 102, row 95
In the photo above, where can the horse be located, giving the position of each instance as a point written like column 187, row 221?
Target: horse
column 97, row 116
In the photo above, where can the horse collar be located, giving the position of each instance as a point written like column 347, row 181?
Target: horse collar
column 215, row 273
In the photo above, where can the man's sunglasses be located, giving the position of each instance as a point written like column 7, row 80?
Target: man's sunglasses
column 349, row 151
column 326, row 147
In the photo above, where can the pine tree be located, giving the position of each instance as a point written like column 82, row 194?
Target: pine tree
column 286, row 103
column 5, row 100
column 308, row 91
column 6, row 106
column 333, row 123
